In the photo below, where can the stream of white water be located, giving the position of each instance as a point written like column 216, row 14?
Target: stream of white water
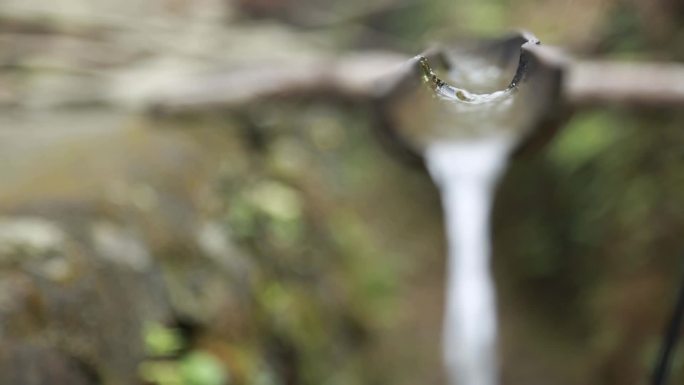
column 466, row 172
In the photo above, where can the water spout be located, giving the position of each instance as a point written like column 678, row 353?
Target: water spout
column 465, row 133
column 466, row 165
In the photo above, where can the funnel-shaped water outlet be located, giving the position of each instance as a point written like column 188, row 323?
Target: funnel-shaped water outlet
column 505, row 87
column 463, row 109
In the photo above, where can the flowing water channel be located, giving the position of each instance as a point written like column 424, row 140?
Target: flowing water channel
column 468, row 151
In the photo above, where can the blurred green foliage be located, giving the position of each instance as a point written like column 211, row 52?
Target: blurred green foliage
column 199, row 368
column 162, row 341
column 171, row 363
column 306, row 211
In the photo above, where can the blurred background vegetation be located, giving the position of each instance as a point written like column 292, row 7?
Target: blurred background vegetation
column 279, row 242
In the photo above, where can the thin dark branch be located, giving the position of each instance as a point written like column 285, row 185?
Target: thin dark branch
column 674, row 329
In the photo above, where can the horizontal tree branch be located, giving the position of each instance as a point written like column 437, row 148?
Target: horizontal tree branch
column 360, row 77
column 593, row 83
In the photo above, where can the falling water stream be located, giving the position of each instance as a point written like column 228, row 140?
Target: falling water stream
column 465, row 159
column 466, row 173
